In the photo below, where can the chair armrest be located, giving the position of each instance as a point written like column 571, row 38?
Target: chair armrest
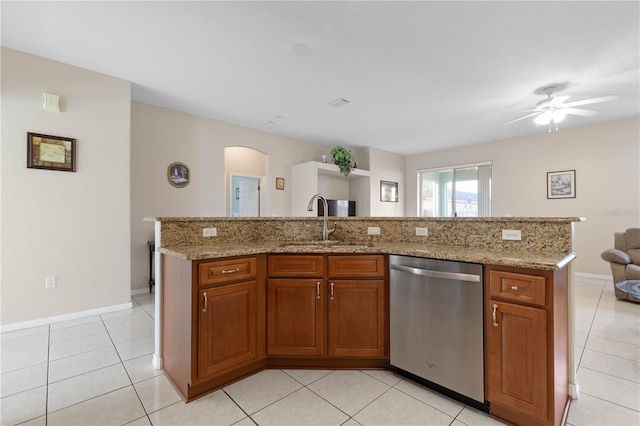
column 615, row 256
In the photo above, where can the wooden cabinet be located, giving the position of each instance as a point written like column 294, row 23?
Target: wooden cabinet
column 527, row 329
column 340, row 310
column 213, row 321
column 356, row 318
column 295, row 317
column 226, row 327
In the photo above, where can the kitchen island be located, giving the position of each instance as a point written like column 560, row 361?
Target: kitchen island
column 278, row 282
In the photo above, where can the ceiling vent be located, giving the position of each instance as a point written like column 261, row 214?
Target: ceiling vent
column 338, row 102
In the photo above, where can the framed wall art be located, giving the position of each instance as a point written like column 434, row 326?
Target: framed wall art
column 388, row 191
column 280, row 183
column 178, row 175
column 561, row 184
column 51, row 152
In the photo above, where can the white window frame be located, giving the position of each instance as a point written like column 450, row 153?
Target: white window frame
column 484, row 187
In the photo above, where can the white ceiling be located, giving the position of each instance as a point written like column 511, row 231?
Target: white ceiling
column 420, row 76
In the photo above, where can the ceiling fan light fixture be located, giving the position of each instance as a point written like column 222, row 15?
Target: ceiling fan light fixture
column 549, row 115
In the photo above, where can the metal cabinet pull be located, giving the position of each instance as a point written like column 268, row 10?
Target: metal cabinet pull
column 318, row 290
column 205, row 302
column 514, row 287
column 230, row 271
column 494, row 315
column 331, row 291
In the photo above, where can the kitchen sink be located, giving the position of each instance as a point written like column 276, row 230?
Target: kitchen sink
column 316, row 245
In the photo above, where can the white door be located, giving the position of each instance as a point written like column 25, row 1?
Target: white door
column 249, row 197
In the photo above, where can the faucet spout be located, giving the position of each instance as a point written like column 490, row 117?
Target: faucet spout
column 325, row 229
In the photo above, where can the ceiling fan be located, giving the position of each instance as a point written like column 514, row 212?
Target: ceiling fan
column 553, row 109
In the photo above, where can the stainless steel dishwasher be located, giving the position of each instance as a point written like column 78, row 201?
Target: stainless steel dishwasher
column 437, row 325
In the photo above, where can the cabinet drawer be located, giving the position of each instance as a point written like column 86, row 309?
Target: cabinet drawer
column 295, row 266
column 356, row 266
column 518, row 287
column 226, row 271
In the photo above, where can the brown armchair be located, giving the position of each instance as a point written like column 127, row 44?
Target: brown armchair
column 624, row 257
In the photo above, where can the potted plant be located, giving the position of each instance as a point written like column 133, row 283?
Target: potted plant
column 344, row 158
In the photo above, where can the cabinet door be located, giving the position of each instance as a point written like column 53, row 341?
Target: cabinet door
column 356, row 318
column 227, row 324
column 518, row 358
column 295, row 317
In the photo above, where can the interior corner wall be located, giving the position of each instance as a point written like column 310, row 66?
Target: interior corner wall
column 74, row 226
column 605, row 157
column 386, row 166
column 161, row 136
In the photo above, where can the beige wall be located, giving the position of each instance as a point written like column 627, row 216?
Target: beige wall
column 605, row 157
column 161, row 136
column 74, row 226
column 387, row 166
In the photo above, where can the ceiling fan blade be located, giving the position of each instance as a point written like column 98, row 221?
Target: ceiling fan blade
column 591, row 101
column 582, row 112
column 557, row 100
column 526, row 116
column 520, row 112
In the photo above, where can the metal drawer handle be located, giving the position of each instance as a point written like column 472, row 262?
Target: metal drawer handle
column 331, row 291
column 205, row 302
column 318, row 290
column 494, row 315
column 514, row 287
column 230, row 271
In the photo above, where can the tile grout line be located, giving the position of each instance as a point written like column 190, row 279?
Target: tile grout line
column 124, row 368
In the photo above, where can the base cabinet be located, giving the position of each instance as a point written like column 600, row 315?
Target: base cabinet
column 227, row 327
column 295, row 317
column 356, row 318
column 213, row 321
column 527, row 330
column 340, row 312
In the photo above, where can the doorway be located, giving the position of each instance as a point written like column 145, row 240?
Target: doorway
column 245, row 176
column 245, row 195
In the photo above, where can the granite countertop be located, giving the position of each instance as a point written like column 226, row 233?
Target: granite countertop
column 521, row 259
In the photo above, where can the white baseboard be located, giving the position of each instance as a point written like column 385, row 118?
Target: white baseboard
column 593, row 276
column 140, row 291
column 66, row 317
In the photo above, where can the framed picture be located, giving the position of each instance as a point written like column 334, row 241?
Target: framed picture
column 388, row 191
column 280, row 184
column 178, row 175
column 561, row 184
column 51, row 152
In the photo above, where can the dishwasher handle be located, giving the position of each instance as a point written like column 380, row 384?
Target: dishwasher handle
column 437, row 274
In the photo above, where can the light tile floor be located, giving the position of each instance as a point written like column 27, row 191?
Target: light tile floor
column 97, row 371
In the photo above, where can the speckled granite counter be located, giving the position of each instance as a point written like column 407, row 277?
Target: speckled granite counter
column 523, row 259
column 547, row 242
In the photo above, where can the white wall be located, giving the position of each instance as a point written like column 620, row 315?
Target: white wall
column 387, row 166
column 605, row 156
column 74, row 226
column 161, row 136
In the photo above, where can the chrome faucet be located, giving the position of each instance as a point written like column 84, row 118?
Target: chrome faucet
column 325, row 229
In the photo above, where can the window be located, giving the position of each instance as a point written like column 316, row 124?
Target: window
column 460, row 191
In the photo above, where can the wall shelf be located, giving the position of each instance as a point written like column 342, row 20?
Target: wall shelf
column 315, row 177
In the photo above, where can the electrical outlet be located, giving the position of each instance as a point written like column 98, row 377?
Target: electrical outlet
column 511, row 234
column 373, row 230
column 49, row 282
column 209, row 232
column 423, row 232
